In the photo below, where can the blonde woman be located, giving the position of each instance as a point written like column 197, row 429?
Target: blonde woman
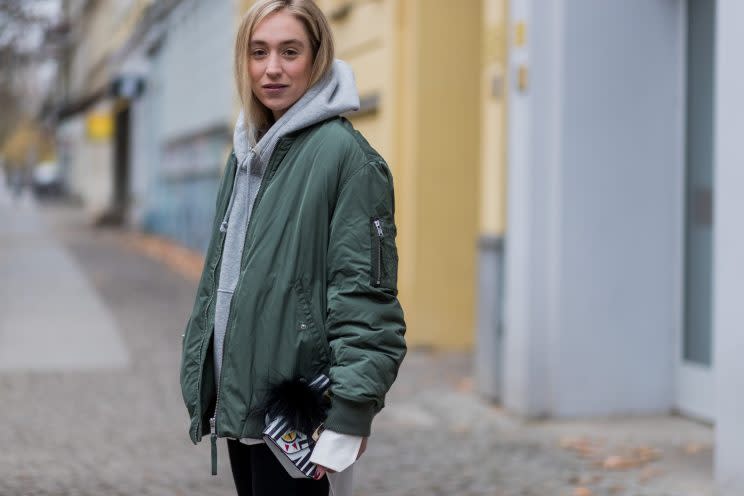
column 300, row 278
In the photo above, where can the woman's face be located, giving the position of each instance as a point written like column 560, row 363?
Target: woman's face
column 280, row 61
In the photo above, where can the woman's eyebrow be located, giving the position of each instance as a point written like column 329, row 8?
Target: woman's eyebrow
column 285, row 42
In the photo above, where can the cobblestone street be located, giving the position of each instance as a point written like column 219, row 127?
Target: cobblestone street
column 118, row 426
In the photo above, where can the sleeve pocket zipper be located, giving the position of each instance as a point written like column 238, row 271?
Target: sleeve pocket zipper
column 378, row 266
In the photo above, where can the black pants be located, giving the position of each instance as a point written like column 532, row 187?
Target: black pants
column 257, row 472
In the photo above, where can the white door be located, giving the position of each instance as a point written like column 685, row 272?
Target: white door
column 695, row 394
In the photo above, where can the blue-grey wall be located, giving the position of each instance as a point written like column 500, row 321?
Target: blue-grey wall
column 728, row 310
column 183, row 210
column 182, row 123
column 592, row 311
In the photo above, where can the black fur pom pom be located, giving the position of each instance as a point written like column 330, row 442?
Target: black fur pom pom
column 303, row 406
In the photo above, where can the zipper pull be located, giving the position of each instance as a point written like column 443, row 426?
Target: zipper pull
column 213, row 441
column 378, row 225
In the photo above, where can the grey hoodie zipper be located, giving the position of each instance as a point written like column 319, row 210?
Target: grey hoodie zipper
column 218, row 255
column 213, row 421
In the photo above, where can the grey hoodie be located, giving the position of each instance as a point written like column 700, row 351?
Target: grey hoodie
column 333, row 95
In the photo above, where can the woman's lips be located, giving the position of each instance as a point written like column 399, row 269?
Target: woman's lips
column 274, row 89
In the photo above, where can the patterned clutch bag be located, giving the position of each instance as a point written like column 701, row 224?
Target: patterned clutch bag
column 294, row 422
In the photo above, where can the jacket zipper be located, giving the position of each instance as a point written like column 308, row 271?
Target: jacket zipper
column 213, row 421
column 213, row 436
column 380, row 235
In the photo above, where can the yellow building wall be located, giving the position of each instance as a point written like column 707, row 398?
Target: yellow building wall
column 447, row 145
column 427, row 128
column 494, row 90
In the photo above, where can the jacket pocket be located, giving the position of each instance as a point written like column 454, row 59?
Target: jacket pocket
column 306, row 322
column 384, row 255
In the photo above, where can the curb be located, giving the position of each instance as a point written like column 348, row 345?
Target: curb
column 181, row 260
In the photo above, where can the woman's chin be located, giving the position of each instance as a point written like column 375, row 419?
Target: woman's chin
column 275, row 107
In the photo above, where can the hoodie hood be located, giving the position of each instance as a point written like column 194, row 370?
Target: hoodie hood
column 333, row 95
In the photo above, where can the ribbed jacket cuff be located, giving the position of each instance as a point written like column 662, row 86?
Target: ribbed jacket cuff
column 350, row 417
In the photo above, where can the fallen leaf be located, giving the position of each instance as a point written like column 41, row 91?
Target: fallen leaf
column 583, row 447
column 647, row 454
column 465, row 385
column 695, row 448
column 616, row 462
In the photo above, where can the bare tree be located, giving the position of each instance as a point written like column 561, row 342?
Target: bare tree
column 29, row 38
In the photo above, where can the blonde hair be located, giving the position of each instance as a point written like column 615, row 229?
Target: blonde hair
column 257, row 117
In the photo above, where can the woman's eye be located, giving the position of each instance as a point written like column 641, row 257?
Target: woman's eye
column 258, row 53
column 291, row 52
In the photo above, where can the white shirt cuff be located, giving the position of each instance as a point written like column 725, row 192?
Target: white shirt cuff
column 336, row 451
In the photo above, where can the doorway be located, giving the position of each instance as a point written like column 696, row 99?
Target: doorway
column 120, row 199
column 695, row 391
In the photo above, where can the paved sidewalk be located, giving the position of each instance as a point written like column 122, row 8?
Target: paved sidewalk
column 50, row 316
column 122, row 430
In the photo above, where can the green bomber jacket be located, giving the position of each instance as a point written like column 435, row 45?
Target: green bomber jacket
column 317, row 291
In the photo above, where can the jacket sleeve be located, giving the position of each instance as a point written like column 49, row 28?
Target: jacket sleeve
column 364, row 319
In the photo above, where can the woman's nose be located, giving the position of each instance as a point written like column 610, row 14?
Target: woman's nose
column 273, row 66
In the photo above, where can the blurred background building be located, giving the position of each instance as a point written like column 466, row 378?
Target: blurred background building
column 624, row 189
column 147, row 108
column 568, row 178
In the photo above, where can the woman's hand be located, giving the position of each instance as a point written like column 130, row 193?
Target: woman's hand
column 362, row 448
column 320, row 470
